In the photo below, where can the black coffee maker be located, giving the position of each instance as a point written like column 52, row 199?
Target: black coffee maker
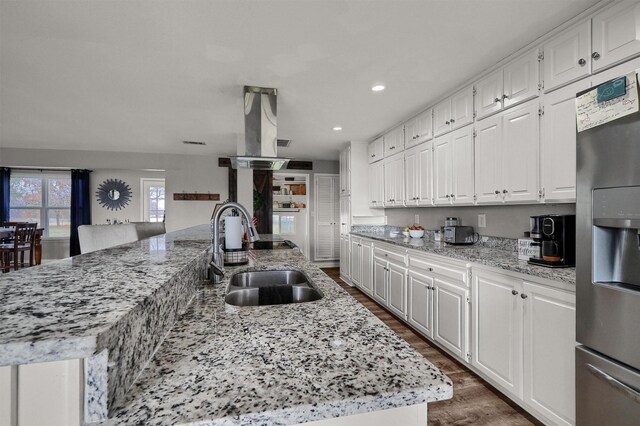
column 556, row 235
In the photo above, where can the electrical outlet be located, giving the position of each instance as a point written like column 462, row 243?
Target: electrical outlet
column 416, row 219
column 482, row 221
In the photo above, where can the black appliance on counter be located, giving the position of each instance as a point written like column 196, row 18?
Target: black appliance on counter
column 460, row 235
column 556, row 236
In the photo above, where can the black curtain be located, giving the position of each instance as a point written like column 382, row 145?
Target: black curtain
column 80, row 206
column 5, row 191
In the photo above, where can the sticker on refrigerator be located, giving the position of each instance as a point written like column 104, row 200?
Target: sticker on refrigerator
column 607, row 102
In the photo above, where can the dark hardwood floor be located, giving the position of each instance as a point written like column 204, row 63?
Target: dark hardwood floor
column 474, row 402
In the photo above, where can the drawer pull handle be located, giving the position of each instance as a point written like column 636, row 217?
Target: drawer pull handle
column 614, row 383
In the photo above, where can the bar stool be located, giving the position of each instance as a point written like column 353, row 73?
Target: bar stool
column 23, row 240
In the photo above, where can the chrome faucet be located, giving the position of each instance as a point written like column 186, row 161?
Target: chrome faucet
column 217, row 260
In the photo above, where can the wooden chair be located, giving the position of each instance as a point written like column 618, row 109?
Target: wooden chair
column 23, row 241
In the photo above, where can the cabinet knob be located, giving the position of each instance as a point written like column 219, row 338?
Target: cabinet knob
column 447, row 196
column 505, row 97
column 515, row 293
column 447, row 122
column 373, row 155
column 497, row 192
column 504, row 191
column 496, row 100
column 582, row 62
column 386, row 255
column 430, row 269
column 393, row 147
column 453, row 196
column 453, row 121
column 417, row 136
column 524, row 296
column 595, row 56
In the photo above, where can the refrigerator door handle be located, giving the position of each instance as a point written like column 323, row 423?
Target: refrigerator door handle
column 614, row 383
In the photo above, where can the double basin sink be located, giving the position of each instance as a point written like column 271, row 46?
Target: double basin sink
column 257, row 288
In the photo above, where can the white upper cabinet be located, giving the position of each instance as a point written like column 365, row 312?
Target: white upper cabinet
column 487, row 160
column 442, row 170
column 567, row 57
column 616, row 34
column 376, row 185
column 394, row 180
column 462, row 179
column 521, row 79
column 425, row 174
column 394, row 141
column 411, row 177
column 375, row 150
column 419, row 129
column 489, row 94
column 454, row 112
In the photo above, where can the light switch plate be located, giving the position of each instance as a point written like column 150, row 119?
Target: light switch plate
column 482, row 221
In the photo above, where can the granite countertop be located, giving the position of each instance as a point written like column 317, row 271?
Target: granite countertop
column 494, row 257
column 279, row 364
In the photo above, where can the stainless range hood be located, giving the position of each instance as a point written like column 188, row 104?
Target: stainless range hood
column 260, row 131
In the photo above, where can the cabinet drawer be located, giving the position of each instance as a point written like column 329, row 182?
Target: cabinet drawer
column 443, row 269
column 391, row 256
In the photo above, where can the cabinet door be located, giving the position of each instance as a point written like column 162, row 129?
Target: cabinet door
column 521, row 78
column 462, row 188
column 388, row 182
column 380, row 184
column 520, row 153
column 549, row 346
column 420, row 294
column 558, row 144
column 497, row 330
column 345, row 215
column 380, row 280
column 398, row 180
column 356, row 262
column 488, row 99
column 567, row 57
column 410, row 133
column 425, row 174
column 424, row 126
column 344, row 172
column 411, row 177
column 374, row 150
column 616, row 34
column 344, row 257
column 367, row 267
column 326, row 221
column 397, row 298
column 373, row 185
column 487, row 159
column 394, row 141
column 442, row 118
column 451, row 317
column 442, row 170
column 462, row 108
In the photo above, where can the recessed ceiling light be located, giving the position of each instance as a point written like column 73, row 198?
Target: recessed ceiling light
column 378, row 88
column 337, row 128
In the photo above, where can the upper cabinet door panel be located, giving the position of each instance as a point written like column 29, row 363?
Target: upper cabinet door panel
column 425, row 174
column 424, row 126
column 442, row 118
column 616, row 34
column 410, row 133
column 462, row 166
column 489, row 94
column 487, row 160
column 521, row 78
column 462, row 108
column 394, row 141
column 567, row 57
column 375, row 150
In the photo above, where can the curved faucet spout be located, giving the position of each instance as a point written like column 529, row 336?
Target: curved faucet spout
column 218, row 256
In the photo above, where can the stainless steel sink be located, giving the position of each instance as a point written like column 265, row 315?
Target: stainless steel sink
column 257, row 288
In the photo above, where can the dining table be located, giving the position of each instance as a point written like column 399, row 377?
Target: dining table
column 8, row 231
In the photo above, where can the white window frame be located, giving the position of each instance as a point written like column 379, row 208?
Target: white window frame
column 145, row 183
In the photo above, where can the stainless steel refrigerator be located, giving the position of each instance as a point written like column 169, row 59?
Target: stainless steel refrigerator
column 608, row 274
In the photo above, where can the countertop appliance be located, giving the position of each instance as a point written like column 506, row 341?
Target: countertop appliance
column 608, row 274
column 556, row 235
column 460, row 235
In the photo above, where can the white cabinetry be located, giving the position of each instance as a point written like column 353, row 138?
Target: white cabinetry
column 375, row 150
column 616, row 34
column 453, row 177
column 394, row 180
column 418, row 164
column 420, row 289
column 454, row 112
column 356, row 262
column 345, row 215
column 345, row 172
column 394, row 141
column 345, row 258
column 510, row 85
column 523, row 341
column 506, row 156
column 367, row 266
column 327, row 243
column 376, row 185
column 567, row 56
column 419, row 129
column 390, row 279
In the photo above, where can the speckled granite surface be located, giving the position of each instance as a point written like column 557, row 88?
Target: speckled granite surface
column 497, row 258
column 281, row 364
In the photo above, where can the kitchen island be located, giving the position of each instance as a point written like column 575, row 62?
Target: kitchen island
column 217, row 364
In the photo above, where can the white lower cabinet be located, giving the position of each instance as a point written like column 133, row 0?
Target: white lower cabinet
column 523, row 341
column 397, row 300
column 451, row 316
column 420, row 316
column 356, row 262
column 367, row 266
column 380, row 280
column 345, row 258
column 390, row 279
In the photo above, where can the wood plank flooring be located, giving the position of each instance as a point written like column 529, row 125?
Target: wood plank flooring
column 474, row 402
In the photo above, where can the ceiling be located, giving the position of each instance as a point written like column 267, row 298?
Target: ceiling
column 142, row 76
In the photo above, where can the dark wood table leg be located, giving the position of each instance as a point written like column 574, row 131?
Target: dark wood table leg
column 38, row 247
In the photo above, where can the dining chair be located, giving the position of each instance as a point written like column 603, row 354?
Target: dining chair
column 23, row 241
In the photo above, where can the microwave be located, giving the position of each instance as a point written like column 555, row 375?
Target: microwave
column 459, row 235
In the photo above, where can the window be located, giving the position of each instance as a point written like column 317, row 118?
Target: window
column 42, row 198
column 284, row 224
column 153, row 194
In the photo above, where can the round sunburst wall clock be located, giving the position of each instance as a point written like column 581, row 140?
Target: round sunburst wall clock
column 113, row 194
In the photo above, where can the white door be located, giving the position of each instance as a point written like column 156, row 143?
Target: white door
column 488, row 177
column 616, row 34
column 425, row 174
column 411, row 165
column 567, row 57
column 420, row 294
column 497, row 329
column 397, row 298
column 549, row 352
column 380, row 280
column 442, row 118
column 488, row 99
column 442, row 169
column 327, row 216
column 153, row 200
column 462, row 178
column 367, row 267
column 450, row 317
column 521, row 78
column 558, row 144
column 462, row 108
column 424, row 126
column 520, row 153
column 410, row 133
column 345, row 257
column 356, row 262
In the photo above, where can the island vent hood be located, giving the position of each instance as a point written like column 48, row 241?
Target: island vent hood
column 260, row 131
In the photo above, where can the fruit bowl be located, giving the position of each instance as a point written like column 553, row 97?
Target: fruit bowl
column 416, row 233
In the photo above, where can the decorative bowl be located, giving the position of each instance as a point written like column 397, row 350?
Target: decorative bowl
column 416, row 233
